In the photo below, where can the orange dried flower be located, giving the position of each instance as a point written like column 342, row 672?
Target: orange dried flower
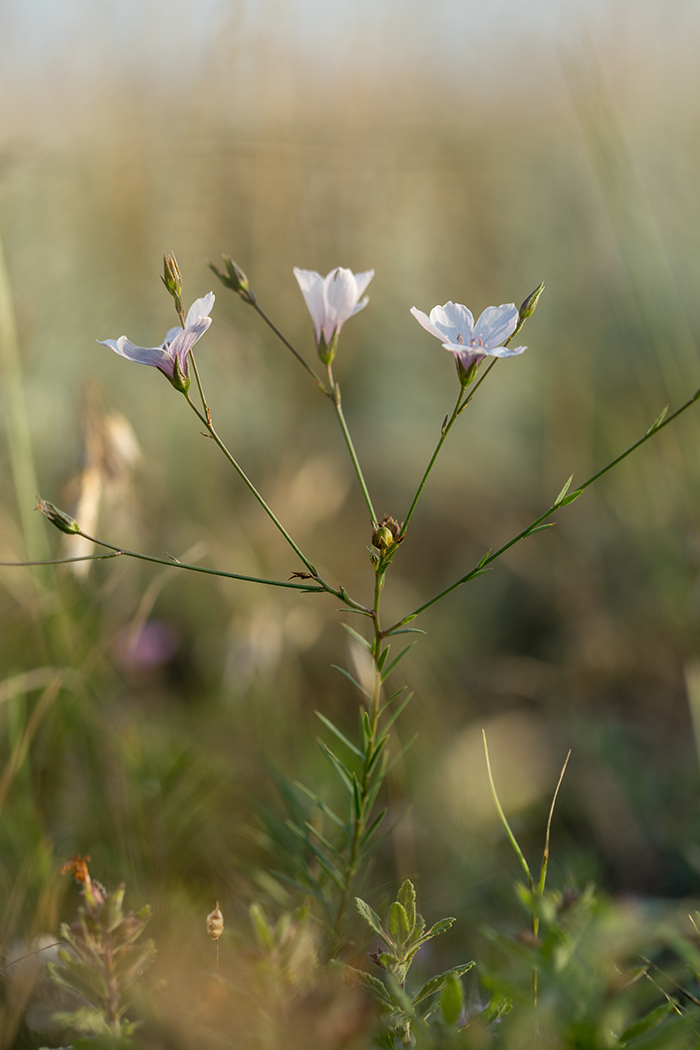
column 77, row 867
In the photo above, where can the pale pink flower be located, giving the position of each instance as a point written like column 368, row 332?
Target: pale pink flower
column 170, row 357
column 453, row 324
column 330, row 301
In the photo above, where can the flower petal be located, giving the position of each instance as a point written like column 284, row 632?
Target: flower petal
column 200, row 308
column 155, row 356
column 425, row 321
column 362, row 280
column 340, row 295
column 185, row 340
column 454, row 319
column 496, row 324
column 506, row 351
column 311, row 284
column 360, row 306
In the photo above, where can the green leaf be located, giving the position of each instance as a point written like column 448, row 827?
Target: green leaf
column 346, row 674
column 326, row 810
column 435, row 984
column 398, row 711
column 407, row 897
column 404, row 630
column 563, row 492
column 262, row 929
column 484, row 559
column 452, row 999
column 373, row 921
column 370, row 982
column 658, row 421
column 341, row 769
column 383, row 657
column 571, row 497
column 397, row 924
column 437, row 928
column 652, row 1019
column 358, row 637
column 397, row 659
column 341, row 736
column 541, row 528
column 372, row 828
column 324, row 842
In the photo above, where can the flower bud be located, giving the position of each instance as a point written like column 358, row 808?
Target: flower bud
column 57, row 517
column 382, row 538
column 528, row 307
column 235, row 279
column 171, row 276
column 215, row 923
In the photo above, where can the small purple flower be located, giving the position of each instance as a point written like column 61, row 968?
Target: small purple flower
column 453, row 324
column 170, row 357
column 331, row 300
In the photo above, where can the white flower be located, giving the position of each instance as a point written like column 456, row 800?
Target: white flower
column 453, row 324
column 330, row 301
column 171, row 356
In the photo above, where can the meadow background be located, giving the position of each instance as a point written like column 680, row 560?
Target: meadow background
column 462, row 156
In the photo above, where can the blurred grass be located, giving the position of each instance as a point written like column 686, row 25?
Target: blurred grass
column 579, row 638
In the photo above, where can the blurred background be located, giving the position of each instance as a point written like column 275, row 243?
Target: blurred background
column 463, row 153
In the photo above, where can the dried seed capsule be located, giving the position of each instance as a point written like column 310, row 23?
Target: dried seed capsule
column 215, row 923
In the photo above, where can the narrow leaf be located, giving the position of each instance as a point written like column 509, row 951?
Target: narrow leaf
column 370, row 982
column 563, row 492
column 358, row 637
column 364, row 841
column 657, row 422
column 452, row 999
column 571, row 497
column 341, row 769
column 383, row 657
column 346, row 674
column 341, row 736
column 325, row 809
column 404, row 630
column 541, row 528
column 388, row 724
column 397, row 659
column 484, row 559
column 504, row 820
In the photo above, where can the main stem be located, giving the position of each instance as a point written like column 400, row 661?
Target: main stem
column 369, row 746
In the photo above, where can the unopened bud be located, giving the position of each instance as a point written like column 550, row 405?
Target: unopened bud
column 57, row 517
column 382, row 538
column 528, row 307
column 235, row 279
column 215, row 923
column 171, row 276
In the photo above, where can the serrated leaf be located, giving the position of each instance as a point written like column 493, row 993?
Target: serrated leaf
column 397, row 924
column 437, row 928
column 658, row 421
column 373, row 921
column 564, row 491
column 370, row 982
column 436, row 983
column 452, row 999
column 571, row 497
column 397, row 659
column 358, row 637
column 341, row 736
column 407, row 897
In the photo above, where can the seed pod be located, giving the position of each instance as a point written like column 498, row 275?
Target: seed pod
column 215, row 923
column 57, row 517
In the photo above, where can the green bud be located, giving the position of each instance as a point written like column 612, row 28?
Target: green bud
column 171, row 276
column 327, row 351
column 382, row 538
column 235, row 279
column 179, row 379
column 57, row 517
column 528, row 307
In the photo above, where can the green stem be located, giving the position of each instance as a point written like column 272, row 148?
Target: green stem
column 319, row 383
column 444, row 431
column 173, row 563
column 244, row 477
column 478, row 569
column 337, row 401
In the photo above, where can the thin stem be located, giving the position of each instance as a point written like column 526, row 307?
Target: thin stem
column 533, row 526
column 337, row 401
column 545, row 855
column 205, row 406
column 173, row 563
column 504, row 820
column 319, row 383
column 244, row 477
column 444, row 431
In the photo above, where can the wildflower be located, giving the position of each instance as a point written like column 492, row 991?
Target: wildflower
column 330, row 301
column 77, row 867
column 170, row 357
column 453, row 324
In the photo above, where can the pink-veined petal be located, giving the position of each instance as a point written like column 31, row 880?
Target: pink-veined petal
column 506, row 351
column 425, row 321
column 170, row 335
column 155, row 356
column 185, row 340
column 454, row 319
column 496, row 324
column 311, row 284
column 362, row 280
column 200, row 308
